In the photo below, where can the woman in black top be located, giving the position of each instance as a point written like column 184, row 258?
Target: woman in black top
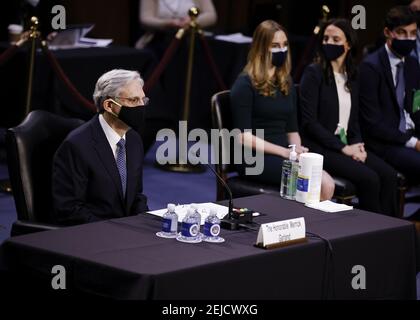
column 263, row 97
column 330, row 124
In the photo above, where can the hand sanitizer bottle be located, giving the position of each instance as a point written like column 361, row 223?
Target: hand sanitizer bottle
column 289, row 175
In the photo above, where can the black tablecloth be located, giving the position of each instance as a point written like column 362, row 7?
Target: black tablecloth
column 124, row 259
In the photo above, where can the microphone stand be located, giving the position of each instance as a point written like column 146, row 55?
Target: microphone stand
column 235, row 219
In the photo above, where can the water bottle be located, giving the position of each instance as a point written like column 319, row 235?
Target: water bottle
column 212, row 228
column 169, row 223
column 197, row 217
column 190, row 230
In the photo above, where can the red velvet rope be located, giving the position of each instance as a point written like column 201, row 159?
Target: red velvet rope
column 6, row 55
column 212, row 63
column 150, row 83
column 167, row 57
column 60, row 73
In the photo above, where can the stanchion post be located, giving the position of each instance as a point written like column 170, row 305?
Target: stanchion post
column 311, row 44
column 183, row 164
column 325, row 13
column 34, row 34
column 193, row 13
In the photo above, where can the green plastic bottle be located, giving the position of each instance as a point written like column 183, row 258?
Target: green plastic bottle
column 289, row 175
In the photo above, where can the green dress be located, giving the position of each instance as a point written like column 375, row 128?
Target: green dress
column 276, row 115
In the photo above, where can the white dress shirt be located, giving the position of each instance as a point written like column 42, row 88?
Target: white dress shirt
column 344, row 101
column 112, row 137
column 174, row 8
column 394, row 61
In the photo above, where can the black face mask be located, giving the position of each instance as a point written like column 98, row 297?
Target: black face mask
column 403, row 47
column 278, row 58
column 332, row 51
column 132, row 116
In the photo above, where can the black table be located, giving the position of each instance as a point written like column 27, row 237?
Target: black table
column 124, row 259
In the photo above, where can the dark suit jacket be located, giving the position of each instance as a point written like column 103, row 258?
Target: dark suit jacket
column 86, row 181
column 320, row 111
column 379, row 109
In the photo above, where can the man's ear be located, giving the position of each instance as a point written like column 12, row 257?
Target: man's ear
column 387, row 33
column 106, row 105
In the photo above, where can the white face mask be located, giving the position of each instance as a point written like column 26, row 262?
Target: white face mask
column 33, row 3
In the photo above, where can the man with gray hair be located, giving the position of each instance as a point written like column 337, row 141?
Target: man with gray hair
column 97, row 171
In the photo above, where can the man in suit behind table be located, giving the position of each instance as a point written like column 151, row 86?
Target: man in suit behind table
column 97, row 171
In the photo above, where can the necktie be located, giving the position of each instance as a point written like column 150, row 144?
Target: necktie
column 400, row 91
column 121, row 164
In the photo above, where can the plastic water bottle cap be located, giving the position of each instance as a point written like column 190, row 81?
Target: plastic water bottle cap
column 171, row 207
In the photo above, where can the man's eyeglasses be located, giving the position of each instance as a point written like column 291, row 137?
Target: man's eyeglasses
column 135, row 100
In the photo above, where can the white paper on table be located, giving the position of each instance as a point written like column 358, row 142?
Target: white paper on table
column 95, row 42
column 74, row 37
column 84, row 31
column 329, row 206
column 203, row 209
column 234, row 38
column 88, row 43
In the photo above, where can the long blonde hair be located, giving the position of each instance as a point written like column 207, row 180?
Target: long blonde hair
column 259, row 62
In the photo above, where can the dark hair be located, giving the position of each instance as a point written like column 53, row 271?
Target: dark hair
column 400, row 16
column 350, row 63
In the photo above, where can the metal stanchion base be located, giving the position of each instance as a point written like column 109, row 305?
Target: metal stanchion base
column 182, row 168
column 5, row 186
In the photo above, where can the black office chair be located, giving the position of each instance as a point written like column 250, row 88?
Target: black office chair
column 240, row 186
column 30, row 150
column 404, row 186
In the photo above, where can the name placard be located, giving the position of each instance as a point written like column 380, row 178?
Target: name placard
column 282, row 233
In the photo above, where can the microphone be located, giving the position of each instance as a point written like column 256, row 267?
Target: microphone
column 236, row 218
